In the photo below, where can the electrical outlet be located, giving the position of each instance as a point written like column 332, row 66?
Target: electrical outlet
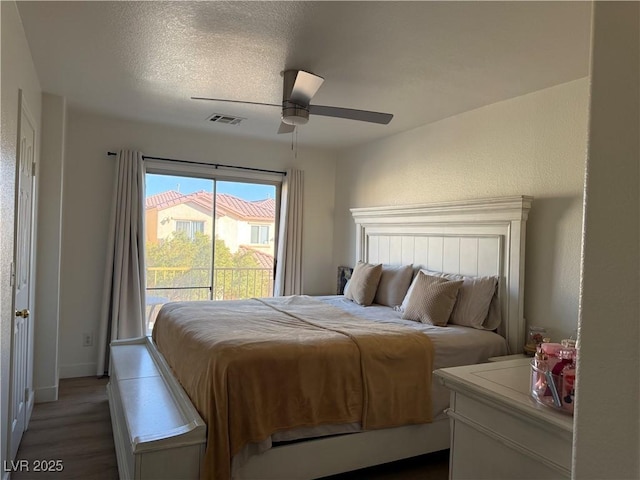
column 87, row 340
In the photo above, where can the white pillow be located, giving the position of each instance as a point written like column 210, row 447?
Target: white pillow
column 393, row 286
column 474, row 299
column 346, row 287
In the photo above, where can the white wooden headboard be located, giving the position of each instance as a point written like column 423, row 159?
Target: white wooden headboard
column 472, row 237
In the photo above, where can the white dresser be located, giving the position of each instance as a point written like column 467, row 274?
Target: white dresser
column 498, row 431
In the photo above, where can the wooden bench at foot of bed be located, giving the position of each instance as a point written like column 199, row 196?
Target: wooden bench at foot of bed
column 158, row 434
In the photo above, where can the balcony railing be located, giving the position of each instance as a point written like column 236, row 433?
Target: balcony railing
column 172, row 284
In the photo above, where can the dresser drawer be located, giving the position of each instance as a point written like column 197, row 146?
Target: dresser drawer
column 543, row 442
column 477, row 456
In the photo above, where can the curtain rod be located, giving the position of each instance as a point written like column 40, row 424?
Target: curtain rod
column 215, row 165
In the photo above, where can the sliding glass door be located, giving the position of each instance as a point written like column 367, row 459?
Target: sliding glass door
column 208, row 239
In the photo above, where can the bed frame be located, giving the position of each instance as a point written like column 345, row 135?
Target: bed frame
column 474, row 237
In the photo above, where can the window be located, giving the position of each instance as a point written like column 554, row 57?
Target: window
column 260, row 234
column 190, row 227
column 202, row 240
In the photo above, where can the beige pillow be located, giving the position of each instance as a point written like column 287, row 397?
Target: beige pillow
column 393, row 286
column 474, row 299
column 364, row 283
column 494, row 317
column 432, row 299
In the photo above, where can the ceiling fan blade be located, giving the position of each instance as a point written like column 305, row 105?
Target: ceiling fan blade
column 237, row 101
column 286, row 128
column 305, row 85
column 351, row 114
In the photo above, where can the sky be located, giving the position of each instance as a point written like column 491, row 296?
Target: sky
column 247, row 191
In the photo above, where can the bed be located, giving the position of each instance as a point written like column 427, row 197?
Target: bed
column 479, row 238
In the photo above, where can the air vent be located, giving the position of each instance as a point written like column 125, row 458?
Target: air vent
column 226, row 119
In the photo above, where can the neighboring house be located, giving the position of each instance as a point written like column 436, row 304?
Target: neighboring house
column 240, row 223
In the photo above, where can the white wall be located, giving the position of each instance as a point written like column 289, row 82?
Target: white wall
column 18, row 72
column 607, row 416
column 49, row 247
column 530, row 145
column 88, row 186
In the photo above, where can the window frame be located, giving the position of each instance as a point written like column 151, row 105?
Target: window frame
column 160, row 167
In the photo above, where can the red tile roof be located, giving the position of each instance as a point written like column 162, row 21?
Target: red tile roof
column 268, row 203
column 264, row 259
column 162, row 198
column 258, row 210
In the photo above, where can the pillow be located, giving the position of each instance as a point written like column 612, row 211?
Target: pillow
column 494, row 317
column 364, row 283
column 432, row 299
column 405, row 301
column 393, row 286
column 346, row 287
column 344, row 274
column 475, row 297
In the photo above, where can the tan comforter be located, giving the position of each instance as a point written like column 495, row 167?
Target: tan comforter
column 254, row 367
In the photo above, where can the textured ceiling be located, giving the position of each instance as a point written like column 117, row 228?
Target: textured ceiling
column 421, row 61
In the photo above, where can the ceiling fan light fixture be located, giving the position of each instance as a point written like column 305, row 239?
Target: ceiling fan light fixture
column 294, row 114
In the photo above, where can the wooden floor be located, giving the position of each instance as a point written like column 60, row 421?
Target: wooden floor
column 77, row 431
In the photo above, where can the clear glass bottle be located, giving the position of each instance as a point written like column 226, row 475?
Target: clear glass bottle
column 534, row 338
column 538, row 374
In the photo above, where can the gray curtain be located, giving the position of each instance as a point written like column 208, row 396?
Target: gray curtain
column 123, row 302
column 289, row 267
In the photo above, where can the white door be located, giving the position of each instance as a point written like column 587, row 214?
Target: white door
column 21, row 391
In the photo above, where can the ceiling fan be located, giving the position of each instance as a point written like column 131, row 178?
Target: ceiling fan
column 298, row 90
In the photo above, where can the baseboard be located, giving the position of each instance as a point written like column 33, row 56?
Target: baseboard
column 78, row 370
column 46, row 394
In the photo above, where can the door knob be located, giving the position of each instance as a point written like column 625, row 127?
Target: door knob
column 22, row 313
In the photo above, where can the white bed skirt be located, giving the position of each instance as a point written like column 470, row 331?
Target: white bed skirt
column 342, row 453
